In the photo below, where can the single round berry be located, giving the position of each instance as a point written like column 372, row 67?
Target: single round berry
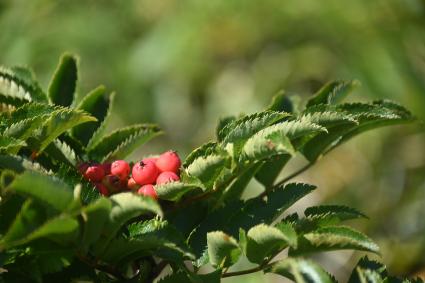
column 145, row 173
column 102, row 189
column 121, row 169
column 132, row 185
column 168, row 161
column 114, row 183
column 82, row 167
column 94, row 173
column 167, row 177
column 107, row 168
column 148, row 191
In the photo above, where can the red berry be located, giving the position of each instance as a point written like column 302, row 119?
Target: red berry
column 132, row 185
column 150, row 159
column 121, row 169
column 107, row 168
column 94, row 173
column 148, row 190
column 145, row 173
column 82, row 167
column 102, row 189
column 167, row 177
column 168, row 161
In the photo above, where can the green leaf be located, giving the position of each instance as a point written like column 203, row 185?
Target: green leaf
column 63, row 85
column 339, row 212
column 223, row 250
column 204, row 150
column 24, row 129
column 19, row 164
column 95, row 216
column 367, row 116
column 122, row 142
column 10, row 145
column 380, row 113
column 223, row 122
column 271, row 169
column 215, row 220
column 97, row 104
column 30, row 217
column 257, row 210
column 59, row 122
column 173, row 191
column 264, row 242
column 266, row 144
column 207, row 169
column 240, row 130
column 43, row 188
column 282, row 103
column 16, row 91
column 331, row 238
column 238, row 214
column 27, row 77
column 173, row 245
column 61, row 229
column 25, row 112
column 125, row 206
column 121, row 250
column 333, row 92
column 368, row 271
column 68, row 155
column 300, row 270
column 236, row 189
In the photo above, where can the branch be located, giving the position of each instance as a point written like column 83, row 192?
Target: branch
column 247, row 271
column 105, row 268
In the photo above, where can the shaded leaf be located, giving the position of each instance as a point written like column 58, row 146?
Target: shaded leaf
column 125, row 206
column 58, row 122
column 333, row 211
column 334, row 238
column 264, row 242
column 207, row 169
column 97, row 104
column 122, row 142
column 43, row 188
column 63, row 85
column 300, row 270
column 223, row 250
column 333, row 92
column 95, row 216
column 174, row 190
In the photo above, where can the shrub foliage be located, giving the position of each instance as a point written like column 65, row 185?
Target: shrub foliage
column 56, row 227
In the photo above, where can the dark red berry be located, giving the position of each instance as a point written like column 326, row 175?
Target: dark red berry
column 107, row 168
column 148, row 190
column 82, row 167
column 168, row 161
column 102, row 189
column 145, row 173
column 121, row 169
column 167, row 177
column 132, row 185
column 114, row 183
column 94, row 173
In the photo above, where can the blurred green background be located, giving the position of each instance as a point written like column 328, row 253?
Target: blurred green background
column 185, row 63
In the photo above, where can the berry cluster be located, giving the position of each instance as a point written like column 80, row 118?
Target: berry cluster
column 118, row 176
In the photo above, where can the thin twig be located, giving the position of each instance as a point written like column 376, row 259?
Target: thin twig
column 246, row 271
